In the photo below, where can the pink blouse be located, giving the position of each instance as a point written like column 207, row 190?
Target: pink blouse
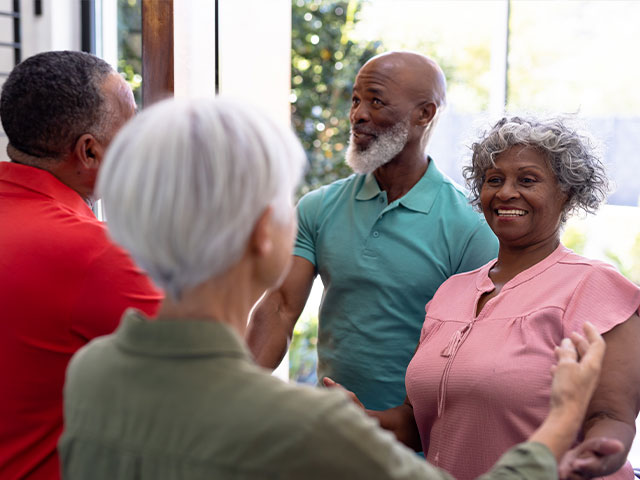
column 480, row 385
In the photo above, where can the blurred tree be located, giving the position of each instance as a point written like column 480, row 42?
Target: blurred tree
column 130, row 45
column 627, row 262
column 303, row 357
column 324, row 63
column 575, row 238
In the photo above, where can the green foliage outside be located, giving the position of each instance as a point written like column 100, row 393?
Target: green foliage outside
column 302, row 352
column 130, row 45
column 574, row 238
column 631, row 267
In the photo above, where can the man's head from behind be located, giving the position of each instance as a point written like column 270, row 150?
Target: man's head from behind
column 60, row 110
column 396, row 100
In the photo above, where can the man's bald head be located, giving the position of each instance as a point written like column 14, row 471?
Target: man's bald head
column 420, row 77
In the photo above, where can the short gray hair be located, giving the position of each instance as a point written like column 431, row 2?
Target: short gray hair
column 572, row 155
column 184, row 182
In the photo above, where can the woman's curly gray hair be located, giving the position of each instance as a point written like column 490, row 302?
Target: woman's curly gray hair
column 572, row 156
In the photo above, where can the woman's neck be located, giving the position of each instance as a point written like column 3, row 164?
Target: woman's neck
column 514, row 260
column 228, row 299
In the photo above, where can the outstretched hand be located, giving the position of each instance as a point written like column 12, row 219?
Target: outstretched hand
column 329, row 383
column 575, row 376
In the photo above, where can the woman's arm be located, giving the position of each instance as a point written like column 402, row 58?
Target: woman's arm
column 609, row 426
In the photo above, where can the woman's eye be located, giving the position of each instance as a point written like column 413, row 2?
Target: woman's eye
column 528, row 180
column 493, row 180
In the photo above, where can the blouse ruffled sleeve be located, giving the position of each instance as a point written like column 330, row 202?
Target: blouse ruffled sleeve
column 603, row 297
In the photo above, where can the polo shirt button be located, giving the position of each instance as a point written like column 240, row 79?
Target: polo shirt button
column 376, row 234
column 381, row 200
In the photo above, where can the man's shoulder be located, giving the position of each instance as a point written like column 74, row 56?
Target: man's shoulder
column 453, row 201
column 340, row 190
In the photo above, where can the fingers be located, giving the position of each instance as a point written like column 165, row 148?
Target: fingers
column 581, row 343
column 603, row 446
column 566, row 351
column 329, row 383
column 594, row 354
column 590, row 459
column 590, row 349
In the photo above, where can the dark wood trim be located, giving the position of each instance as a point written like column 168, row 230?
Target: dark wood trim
column 217, row 50
column 157, row 50
column 17, row 37
column 88, row 26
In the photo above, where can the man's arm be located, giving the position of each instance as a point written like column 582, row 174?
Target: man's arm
column 271, row 326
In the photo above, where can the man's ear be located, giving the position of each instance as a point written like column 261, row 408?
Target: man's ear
column 426, row 113
column 261, row 239
column 88, row 151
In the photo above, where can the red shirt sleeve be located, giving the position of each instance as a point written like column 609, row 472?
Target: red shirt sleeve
column 112, row 284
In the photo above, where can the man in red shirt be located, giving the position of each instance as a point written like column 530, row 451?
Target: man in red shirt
column 62, row 281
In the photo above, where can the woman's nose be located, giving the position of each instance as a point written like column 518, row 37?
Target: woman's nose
column 507, row 191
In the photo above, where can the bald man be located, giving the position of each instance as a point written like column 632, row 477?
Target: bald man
column 382, row 240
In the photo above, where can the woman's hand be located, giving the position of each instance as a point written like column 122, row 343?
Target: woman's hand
column 575, row 376
column 591, row 458
column 609, row 425
column 329, row 383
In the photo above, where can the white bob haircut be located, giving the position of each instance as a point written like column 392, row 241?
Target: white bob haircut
column 184, row 183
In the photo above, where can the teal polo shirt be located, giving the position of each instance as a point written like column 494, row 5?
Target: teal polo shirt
column 380, row 263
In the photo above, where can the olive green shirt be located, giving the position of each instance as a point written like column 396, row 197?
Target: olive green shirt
column 183, row 400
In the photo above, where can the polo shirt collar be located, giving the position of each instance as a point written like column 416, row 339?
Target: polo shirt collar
column 45, row 183
column 178, row 338
column 369, row 188
column 421, row 196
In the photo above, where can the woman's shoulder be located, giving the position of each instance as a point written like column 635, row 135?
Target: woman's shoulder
column 590, row 267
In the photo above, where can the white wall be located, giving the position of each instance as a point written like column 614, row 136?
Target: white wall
column 255, row 53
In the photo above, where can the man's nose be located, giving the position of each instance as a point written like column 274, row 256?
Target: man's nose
column 359, row 114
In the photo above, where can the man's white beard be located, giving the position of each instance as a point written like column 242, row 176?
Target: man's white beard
column 380, row 151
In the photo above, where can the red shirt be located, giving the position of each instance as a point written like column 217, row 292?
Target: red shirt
column 62, row 283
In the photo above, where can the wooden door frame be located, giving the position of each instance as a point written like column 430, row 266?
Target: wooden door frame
column 157, row 50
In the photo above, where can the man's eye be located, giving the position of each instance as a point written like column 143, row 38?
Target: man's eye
column 355, row 101
column 376, row 101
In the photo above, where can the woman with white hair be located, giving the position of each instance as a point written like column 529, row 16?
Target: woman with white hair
column 200, row 192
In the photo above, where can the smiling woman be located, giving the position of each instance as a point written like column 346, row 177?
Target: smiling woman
column 521, row 198
column 492, row 349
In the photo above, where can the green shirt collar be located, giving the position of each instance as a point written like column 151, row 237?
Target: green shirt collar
column 178, row 338
column 421, row 196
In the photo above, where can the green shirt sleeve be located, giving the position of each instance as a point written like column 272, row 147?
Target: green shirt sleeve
column 305, row 245
column 529, row 460
column 343, row 442
column 481, row 248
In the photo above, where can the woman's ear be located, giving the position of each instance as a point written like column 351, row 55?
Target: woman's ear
column 261, row 239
